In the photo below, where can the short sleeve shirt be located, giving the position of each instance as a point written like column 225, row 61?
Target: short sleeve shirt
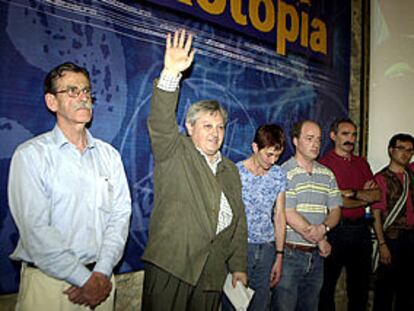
column 311, row 194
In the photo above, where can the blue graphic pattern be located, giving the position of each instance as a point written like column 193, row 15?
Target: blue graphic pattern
column 121, row 43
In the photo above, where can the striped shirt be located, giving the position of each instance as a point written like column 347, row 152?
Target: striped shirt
column 311, row 194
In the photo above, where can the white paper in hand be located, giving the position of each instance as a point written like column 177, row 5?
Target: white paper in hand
column 239, row 296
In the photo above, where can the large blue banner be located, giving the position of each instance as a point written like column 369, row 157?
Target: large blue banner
column 121, row 43
column 302, row 26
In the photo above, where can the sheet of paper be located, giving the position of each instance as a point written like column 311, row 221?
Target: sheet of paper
column 239, row 296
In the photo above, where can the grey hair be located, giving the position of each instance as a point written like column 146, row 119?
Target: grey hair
column 203, row 106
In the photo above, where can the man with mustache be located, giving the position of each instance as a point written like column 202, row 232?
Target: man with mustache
column 312, row 206
column 394, row 227
column 351, row 239
column 70, row 200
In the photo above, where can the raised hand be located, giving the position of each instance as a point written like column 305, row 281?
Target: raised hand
column 178, row 53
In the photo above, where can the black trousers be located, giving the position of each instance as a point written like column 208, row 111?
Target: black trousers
column 393, row 283
column 352, row 249
column 163, row 292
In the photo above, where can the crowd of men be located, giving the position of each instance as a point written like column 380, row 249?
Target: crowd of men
column 69, row 196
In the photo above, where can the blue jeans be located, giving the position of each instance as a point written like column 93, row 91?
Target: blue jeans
column 260, row 259
column 301, row 282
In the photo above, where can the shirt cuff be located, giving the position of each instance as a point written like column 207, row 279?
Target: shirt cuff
column 80, row 276
column 168, row 82
column 104, row 268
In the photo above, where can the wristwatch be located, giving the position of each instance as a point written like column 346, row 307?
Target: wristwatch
column 354, row 194
column 327, row 229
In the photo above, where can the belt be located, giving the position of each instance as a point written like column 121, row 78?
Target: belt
column 89, row 266
column 360, row 221
column 303, row 248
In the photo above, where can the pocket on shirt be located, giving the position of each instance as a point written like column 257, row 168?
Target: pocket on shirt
column 104, row 194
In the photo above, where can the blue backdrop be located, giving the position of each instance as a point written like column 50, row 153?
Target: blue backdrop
column 121, row 43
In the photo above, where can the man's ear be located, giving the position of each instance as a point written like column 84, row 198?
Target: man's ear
column 51, row 102
column 295, row 141
column 332, row 135
column 255, row 147
column 389, row 152
column 189, row 128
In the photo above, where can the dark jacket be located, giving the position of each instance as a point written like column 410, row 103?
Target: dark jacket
column 182, row 234
column 394, row 191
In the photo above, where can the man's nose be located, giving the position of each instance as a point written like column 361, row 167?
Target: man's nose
column 83, row 96
column 215, row 131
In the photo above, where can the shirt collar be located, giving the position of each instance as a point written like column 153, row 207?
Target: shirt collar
column 61, row 140
column 213, row 165
column 315, row 164
column 347, row 159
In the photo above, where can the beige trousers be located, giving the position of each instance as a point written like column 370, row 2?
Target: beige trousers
column 40, row 292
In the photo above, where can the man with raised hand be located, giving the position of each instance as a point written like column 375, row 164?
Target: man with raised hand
column 198, row 226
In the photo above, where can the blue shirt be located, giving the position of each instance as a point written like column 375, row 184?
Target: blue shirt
column 71, row 208
column 259, row 194
column 311, row 194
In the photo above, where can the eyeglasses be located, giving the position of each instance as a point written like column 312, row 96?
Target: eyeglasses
column 403, row 149
column 74, row 91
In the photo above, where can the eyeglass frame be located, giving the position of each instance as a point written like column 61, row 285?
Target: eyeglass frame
column 403, row 149
column 71, row 89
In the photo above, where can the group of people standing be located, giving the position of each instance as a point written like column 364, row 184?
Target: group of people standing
column 286, row 231
column 303, row 221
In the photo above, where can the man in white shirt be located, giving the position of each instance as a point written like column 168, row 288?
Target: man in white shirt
column 69, row 197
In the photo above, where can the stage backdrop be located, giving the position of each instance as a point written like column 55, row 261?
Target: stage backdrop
column 265, row 60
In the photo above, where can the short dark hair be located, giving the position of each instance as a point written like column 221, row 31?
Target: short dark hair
column 400, row 137
column 58, row 72
column 269, row 135
column 335, row 125
column 297, row 128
